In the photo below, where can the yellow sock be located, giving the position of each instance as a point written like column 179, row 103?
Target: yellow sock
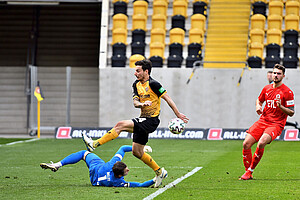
column 110, row 135
column 147, row 159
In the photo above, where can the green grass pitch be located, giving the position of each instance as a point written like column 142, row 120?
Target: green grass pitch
column 276, row 177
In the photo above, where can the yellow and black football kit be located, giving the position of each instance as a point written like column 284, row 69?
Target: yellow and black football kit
column 148, row 121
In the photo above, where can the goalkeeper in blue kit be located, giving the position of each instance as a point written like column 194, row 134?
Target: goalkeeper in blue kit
column 110, row 174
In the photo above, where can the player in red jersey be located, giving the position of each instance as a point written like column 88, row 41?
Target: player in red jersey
column 279, row 104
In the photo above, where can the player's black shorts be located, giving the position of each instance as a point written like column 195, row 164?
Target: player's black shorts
column 142, row 128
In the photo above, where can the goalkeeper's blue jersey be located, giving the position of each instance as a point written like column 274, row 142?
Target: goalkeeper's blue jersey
column 101, row 173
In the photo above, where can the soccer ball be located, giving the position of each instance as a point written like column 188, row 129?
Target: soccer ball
column 176, row 126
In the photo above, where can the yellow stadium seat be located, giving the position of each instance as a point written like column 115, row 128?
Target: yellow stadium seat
column 160, row 7
column 258, row 21
column 180, row 8
column 274, row 21
column 257, row 35
column 158, row 35
column 119, row 35
column 157, row 49
column 134, row 58
column 140, row 7
column 177, row 35
column 120, row 21
column 196, row 36
column 114, row 1
column 274, row 36
column 256, row 49
column 139, row 21
column 292, row 22
column 159, row 21
column 275, row 8
column 292, row 8
column 167, row 1
column 198, row 21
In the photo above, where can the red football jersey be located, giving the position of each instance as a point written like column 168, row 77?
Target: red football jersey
column 271, row 113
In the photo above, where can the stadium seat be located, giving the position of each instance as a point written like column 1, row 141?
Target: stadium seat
column 138, row 35
column 292, row 22
column 177, row 35
column 120, row 7
column 290, row 49
column 118, row 61
column 270, row 61
column 174, row 61
column 119, row 49
column 258, row 21
column 178, row 21
column 158, row 35
column 157, row 61
column 196, row 35
column 254, row 62
column 198, row 21
column 274, row 21
column 160, row 7
column 138, row 48
column 157, row 49
column 276, row 8
column 256, row 49
column 273, row 49
column 175, row 49
column 120, row 21
column 199, row 7
column 140, row 7
column 290, row 62
column 139, row 21
column 180, row 8
column 274, row 36
column 190, row 60
column 291, row 36
column 195, row 49
column 134, row 58
column 292, row 8
column 159, row 21
column 257, row 35
column 259, row 7
column 119, row 35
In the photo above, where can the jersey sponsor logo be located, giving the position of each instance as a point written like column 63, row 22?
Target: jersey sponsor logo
column 162, row 90
column 290, row 103
column 64, row 133
column 291, row 135
column 215, row 134
column 271, row 104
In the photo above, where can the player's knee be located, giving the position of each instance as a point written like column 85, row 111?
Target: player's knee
column 119, row 126
column 261, row 144
column 246, row 145
column 137, row 154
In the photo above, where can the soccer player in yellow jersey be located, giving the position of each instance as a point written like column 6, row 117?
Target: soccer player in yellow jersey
column 147, row 94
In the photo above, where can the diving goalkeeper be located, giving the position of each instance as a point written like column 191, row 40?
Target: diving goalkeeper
column 110, row 174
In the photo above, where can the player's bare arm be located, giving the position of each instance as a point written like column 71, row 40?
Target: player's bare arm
column 259, row 107
column 173, row 106
column 287, row 110
column 138, row 104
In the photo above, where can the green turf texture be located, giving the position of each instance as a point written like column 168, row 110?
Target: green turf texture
column 276, row 177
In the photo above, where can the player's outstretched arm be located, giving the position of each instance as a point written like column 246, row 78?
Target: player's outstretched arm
column 173, row 106
column 145, row 184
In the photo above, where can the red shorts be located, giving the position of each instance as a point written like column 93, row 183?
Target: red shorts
column 260, row 127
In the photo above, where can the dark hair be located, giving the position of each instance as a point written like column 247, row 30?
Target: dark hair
column 119, row 168
column 146, row 64
column 280, row 67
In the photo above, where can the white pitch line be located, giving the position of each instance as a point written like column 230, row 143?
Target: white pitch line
column 161, row 190
column 12, row 143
